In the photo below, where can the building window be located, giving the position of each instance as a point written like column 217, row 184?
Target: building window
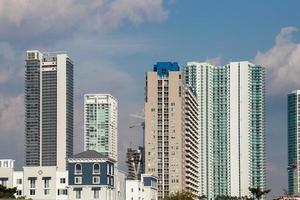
column 96, row 179
column 131, row 189
column 46, row 186
column 19, row 193
column 78, row 194
column 62, row 180
column 96, row 193
column 32, row 183
column 111, row 180
column 3, row 182
column 46, row 191
column 96, row 168
column 32, row 192
column 46, row 183
column 19, row 181
column 78, row 169
column 78, row 180
column 62, row 192
column 113, row 170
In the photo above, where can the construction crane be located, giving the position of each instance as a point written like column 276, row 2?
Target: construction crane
column 141, row 124
column 136, row 159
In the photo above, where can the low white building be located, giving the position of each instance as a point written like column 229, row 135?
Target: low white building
column 10, row 178
column 144, row 189
column 35, row 182
column 6, row 172
column 91, row 175
column 121, row 185
column 45, row 183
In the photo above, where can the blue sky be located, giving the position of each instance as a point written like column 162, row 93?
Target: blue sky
column 113, row 43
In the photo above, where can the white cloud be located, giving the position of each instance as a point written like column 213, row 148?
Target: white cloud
column 35, row 16
column 214, row 61
column 282, row 62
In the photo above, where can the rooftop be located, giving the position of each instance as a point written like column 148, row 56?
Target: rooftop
column 163, row 68
column 90, row 154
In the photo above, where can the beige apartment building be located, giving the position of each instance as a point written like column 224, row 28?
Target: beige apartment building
column 171, row 131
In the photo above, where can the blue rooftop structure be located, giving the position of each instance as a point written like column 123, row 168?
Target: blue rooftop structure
column 163, row 68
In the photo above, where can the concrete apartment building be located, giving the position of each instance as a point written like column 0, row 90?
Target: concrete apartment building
column 231, row 103
column 171, row 131
column 48, row 109
column 101, row 124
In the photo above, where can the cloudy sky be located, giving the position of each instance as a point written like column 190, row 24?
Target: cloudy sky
column 114, row 42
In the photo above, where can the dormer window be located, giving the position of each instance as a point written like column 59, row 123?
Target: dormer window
column 96, row 168
column 78, row 169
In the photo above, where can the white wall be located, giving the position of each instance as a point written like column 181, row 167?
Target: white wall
column 39, row 173
column 61, row 111
column 244, row 129
column 234, row 130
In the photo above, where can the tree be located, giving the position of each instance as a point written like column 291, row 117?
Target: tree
column 7, row 193
column 258, row 192
column 183, row 195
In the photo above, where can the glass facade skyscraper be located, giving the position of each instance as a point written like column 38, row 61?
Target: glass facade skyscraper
column 101, row 124
column 293, row 142
column 231, row 126
column 48, row 109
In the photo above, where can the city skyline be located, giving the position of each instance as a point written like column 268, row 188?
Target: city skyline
column 112, row 57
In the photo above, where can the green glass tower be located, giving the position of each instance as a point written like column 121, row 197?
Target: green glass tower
column 293, row 143
column 101, row 124
column 231, row 101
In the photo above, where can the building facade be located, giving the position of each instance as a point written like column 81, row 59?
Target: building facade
column 35, row 182
column 101, row 124
column 10, row 178
column 7, row 172
column 92, row 176
column 98, row 178
column 293, row 143
column 231, row 103
column 143, row 189
column 45, row 182
column 48, row 109
column 171, row 131
column 135, row 163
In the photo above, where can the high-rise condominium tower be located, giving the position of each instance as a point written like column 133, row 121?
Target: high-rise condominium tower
column 231, row 102
column 293, row 142
column 101, row 124
column 171, row 131
column 48, row 109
